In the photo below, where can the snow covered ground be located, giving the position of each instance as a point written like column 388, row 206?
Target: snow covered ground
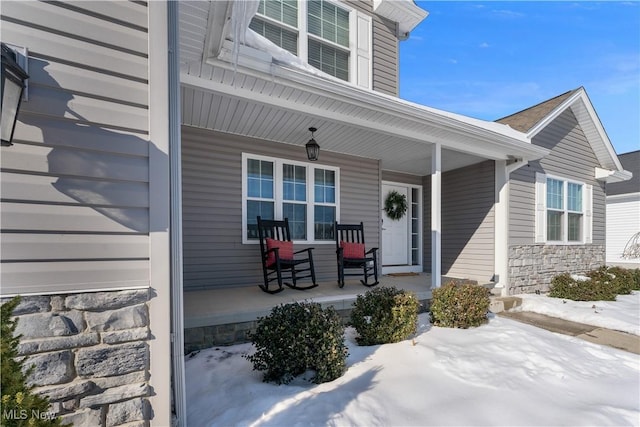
column 504, row 373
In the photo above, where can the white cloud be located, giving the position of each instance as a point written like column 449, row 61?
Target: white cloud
column 484, row 45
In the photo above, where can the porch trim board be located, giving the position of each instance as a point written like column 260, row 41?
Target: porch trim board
column 436, row 215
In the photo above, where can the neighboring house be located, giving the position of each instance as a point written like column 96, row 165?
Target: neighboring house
column 137, row 172
column 623, row 215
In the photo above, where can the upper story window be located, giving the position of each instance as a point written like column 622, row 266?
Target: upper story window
column 328, row 35
column 305, row 193
column 564, row 210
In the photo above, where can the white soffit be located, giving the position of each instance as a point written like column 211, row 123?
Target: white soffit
column 405, row 12
column 222, row 99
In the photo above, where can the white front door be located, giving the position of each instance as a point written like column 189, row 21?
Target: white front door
column 395, row 233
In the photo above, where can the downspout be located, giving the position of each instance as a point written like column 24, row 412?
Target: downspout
column 175, row 176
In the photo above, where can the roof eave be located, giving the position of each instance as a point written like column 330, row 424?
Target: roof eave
column 580, row 103
column 612, row 176
column 405, row 12
column 501, row 141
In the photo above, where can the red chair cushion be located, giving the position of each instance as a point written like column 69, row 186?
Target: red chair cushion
column 352, row 250
column 285, row 250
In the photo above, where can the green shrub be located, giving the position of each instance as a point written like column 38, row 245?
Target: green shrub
column 385, row 315
column 565, row 286
column 635, row 279
column 602, row 284
column 298, row 337
column 460, row 306
column 625, row 280
column 20, row 406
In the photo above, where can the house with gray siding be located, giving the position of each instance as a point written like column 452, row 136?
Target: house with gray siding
column 153, row 133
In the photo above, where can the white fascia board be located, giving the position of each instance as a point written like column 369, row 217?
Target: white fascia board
column 492, row 140
column 611, row 176
column 577, row 101
column 405, row 12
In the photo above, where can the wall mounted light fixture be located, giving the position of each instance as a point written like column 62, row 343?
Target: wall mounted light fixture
column 13, row 84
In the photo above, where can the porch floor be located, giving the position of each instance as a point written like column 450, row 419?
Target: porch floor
column 235, row 305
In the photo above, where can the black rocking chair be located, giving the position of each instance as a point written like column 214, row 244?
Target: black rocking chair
column 350, row 250
column 279, row 261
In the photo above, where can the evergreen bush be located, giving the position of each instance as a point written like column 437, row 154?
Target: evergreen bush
column 385, row 315
column 602, row 284
column 20, row 406
column 461, row 306
column 298, row 337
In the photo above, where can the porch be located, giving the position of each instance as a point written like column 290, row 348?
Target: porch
column 224, row 316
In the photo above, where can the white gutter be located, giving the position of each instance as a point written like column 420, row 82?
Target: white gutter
column 610, row 176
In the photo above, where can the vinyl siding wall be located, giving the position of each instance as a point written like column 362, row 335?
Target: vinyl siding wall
column 571, row 157
column 467, row 222
column 75, row 184
column 401, row 177
column 385, row 50
column 214, row 255
column 623, row 222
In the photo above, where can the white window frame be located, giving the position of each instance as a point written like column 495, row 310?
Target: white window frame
column 279, row 197
column 360, row 40
column 542, row 209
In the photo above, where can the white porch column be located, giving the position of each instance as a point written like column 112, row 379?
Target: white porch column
column 501, row 227
column 436, row 215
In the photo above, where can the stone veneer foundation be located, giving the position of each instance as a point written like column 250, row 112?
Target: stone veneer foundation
column 202, row 337
column 531, row 267
column 91, row 355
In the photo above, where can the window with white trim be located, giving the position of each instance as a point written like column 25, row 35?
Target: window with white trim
column 563, row 210
column 305, row 193
column 327, row 34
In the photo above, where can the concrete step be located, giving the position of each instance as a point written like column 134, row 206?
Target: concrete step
column 500, row 304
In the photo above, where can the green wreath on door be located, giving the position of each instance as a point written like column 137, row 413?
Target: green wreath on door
column 395, row 205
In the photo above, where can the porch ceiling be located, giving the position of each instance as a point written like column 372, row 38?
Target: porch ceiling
column 229, row 114
column 263, row 100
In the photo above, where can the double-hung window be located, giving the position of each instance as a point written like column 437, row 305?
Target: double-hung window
column 563, row 210
column 305, row 193
column 327, row 34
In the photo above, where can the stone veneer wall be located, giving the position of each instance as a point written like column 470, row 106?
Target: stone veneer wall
column 531, row 267
column 90, row 354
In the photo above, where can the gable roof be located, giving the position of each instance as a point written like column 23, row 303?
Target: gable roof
column 528, row 118
column 533, row 119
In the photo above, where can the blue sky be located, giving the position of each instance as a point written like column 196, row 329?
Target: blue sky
column 489, row 59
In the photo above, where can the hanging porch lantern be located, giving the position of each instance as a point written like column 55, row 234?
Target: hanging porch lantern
column 313, row 149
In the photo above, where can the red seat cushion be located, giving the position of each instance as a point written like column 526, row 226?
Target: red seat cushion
column 352, row 250
column 285, row 250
